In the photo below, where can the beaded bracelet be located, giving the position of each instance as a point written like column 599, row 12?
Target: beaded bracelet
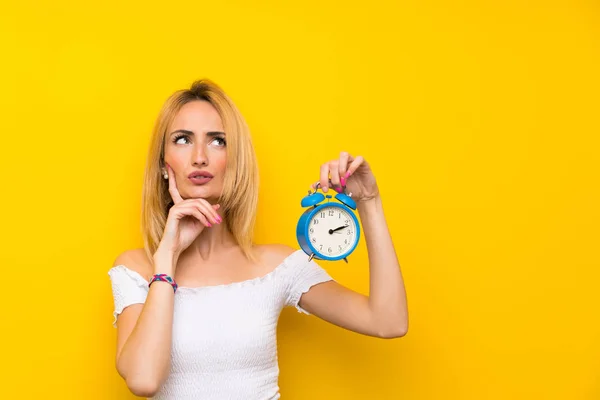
column 163, row 278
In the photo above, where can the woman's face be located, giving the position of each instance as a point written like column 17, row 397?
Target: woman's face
column 195, row 143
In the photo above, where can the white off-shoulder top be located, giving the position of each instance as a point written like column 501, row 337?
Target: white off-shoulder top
column 224, row 343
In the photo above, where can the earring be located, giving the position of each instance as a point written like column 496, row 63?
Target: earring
column 165, row 174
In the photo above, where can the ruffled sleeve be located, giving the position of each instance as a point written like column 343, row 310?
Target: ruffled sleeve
column 301, row 276
column 128, row 287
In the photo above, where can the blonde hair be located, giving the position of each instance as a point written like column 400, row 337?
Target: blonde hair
column 239, row 198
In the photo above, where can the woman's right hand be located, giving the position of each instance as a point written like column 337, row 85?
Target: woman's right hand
column 186, row 220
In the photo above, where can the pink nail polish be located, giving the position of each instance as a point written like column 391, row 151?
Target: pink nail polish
column 209, row 225
column 343, row 181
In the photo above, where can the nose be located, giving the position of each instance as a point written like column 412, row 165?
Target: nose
column 199, row 155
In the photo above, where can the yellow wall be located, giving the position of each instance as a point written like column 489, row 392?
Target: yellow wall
column 480, row 121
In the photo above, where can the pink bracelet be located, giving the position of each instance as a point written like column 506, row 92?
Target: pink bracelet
column 163, row 278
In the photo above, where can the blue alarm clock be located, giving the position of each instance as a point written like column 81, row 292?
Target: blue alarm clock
column 328, row 231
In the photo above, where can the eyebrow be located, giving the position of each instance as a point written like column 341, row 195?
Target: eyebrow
column 211, row 133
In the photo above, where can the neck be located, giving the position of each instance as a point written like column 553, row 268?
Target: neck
column 211, row 242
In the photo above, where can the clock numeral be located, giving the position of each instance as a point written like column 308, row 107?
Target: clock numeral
column 329, row 249
column 311, row 230
column 340, row 246
column 347, row 221
column 314, row 240
column 331, row 213
column 349, row 232
column 322, row 215
column 315, row 221
column 320, row 247
column 345, row 241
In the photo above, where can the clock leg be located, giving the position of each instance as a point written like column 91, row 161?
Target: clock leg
column 345, row 259
column 311, row 257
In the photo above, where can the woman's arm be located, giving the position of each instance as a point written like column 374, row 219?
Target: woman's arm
column 384, row 313
column 144, row 330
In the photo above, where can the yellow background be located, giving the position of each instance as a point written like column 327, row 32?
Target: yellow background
column 480, row 120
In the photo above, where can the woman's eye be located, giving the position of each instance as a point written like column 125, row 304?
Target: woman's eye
column 178, row 138
column 220, row 141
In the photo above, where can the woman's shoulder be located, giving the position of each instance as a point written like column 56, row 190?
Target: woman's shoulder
column 135, row 260
column 273, row 253
column 274, row 249
column 278, row 256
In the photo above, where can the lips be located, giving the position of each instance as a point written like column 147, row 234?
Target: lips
column 200, row 174
column 200, row 177
column 199, row 180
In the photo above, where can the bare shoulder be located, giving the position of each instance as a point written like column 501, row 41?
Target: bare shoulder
column 274, row 253
column 136, row 260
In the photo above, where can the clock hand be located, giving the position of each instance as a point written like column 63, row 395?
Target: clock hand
column 337, row 229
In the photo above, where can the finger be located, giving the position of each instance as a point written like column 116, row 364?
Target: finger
column 335, row 175
column 324, row 181
column 193, row 211
column 173, row 186
column 343, row 166
column 206, row 208
column 354, row 166
column 201, row 217
column 214, row 212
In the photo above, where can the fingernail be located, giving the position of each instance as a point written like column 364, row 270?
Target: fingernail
column 339, row 190
column 343, row 181
column 219, row 220
column 209, row 225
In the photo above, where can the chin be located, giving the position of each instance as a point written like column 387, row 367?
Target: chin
column 200, row 192
column 204, row 191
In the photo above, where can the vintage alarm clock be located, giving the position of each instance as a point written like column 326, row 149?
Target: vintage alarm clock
column 330, row 230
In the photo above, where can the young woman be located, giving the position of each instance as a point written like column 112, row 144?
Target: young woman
column 196, row 309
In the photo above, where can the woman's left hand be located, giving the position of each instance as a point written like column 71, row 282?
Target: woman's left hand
column 354, row 173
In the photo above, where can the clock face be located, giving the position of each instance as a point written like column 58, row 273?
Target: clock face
column 332, row 231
